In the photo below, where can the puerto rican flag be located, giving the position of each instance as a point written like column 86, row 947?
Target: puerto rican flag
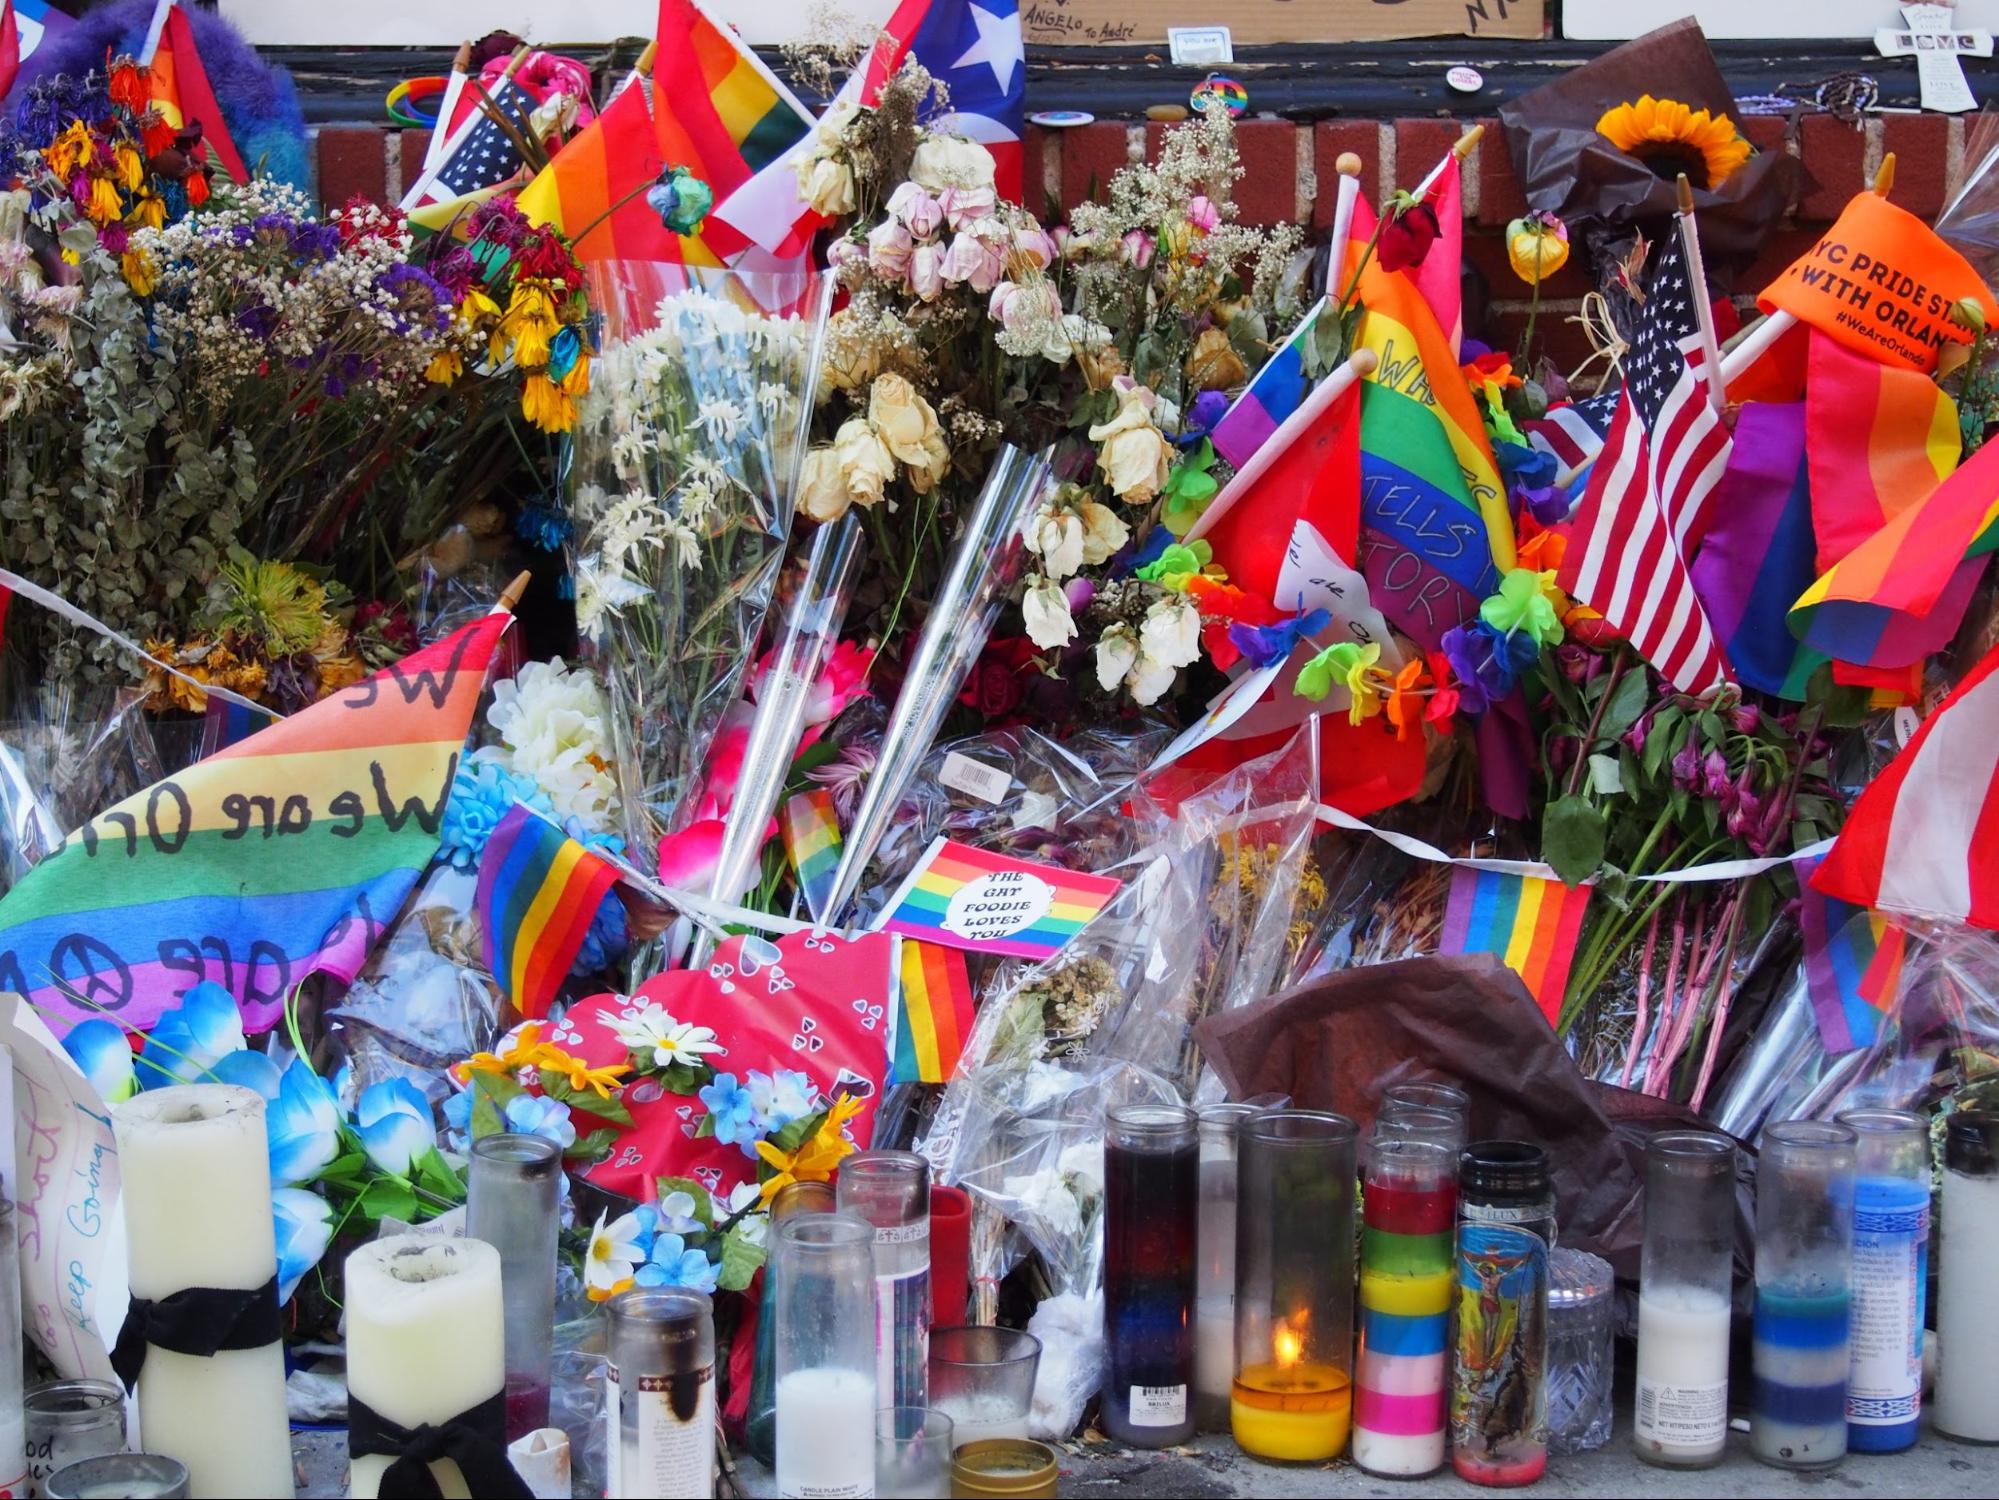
column 973, row 47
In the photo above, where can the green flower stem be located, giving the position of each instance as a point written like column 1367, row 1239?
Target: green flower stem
column 1617, row 665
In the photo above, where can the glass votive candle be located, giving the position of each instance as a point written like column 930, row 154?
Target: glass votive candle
column 513, row 1202
column 823, row 1292
column 1499, row 1391
column 1008, row 1467
column 133, row 1476
column 983, row 1379
column 760, row 1426
column 1293, row 1393
column 1804, row 1293
column 1432, row 1094
column 1151, row 1203
column 1412, row 1123
column 1685, row 1279
column 1581, row 1350
column 1214, row 1289
column 1891, row 1262
column 913, row 1446
column 71, row 1420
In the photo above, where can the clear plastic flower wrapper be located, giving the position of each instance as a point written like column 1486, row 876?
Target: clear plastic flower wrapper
column 680, row 496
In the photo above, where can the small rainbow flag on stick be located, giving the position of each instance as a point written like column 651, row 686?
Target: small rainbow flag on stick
column 1529, row 923
column 812, row 841
column 934, row 1013
column 1853, row 965
column 539, row 891
column 986, row 903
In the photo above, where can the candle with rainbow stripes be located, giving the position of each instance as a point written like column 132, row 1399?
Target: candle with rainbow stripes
column 1406, row 1278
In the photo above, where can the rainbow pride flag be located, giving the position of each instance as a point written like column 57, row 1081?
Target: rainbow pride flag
column 182, row 93
column 539, row 891
column 284, row 855
column 812, row 841
column 1436, row 532
column 1853, row 965
column 1274, row 392
column 934, row 1013
column 987, row 903
column 1529, row 923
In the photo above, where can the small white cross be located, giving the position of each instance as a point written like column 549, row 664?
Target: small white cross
column 1936, row 46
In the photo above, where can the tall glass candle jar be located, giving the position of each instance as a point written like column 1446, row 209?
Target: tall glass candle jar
column 1681, row 1418
column 1151, row 1203
column 1891, row 1263
column 1214, row 1289
column 1507, row 1182
column 1412, row 1122
column 1967, row 1399
column 513, row 1203
column 660, row 1406
column 1804, row 1279
column 823, row 1297
column 891, row 1190
column 1293, row 1393
column 1499, row 1392
column 760, row 1425
column 1401, row 1385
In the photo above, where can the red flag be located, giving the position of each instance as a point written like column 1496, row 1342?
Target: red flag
column 182, row 92
column 10, row 46
column 1923, row 837
column 1308, row 497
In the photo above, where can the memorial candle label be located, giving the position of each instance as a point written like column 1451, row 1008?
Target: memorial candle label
column 676, row 1428
column 986, row 903
column 1890, row 1270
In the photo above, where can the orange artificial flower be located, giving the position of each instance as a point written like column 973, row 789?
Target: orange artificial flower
column 1405, row 697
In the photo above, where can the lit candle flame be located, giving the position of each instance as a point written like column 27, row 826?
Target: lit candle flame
column 1287, row 1345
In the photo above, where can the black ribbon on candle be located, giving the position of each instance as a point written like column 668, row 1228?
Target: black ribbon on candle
column 202, row 1320
column 475, row 1440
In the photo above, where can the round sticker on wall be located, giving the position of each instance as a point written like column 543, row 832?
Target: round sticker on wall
column 1061, row 119
column 1234, row 97
column 1465, row 80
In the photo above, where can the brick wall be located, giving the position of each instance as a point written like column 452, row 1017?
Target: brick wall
column 1289, row 175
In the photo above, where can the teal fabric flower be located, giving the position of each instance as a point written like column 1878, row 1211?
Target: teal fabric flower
column 304, row 1225
column 482, row 793
column 191, row 1038
column 673, row 1264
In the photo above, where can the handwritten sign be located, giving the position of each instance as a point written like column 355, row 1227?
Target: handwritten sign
column 66, row 1209
column 986, row 903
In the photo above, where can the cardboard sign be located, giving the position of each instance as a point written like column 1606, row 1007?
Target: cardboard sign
column 1250, row 23
column 1881, row 282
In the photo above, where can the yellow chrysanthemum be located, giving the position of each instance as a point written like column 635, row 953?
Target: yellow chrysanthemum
column 105, row 206
column 140, row 273
column 69, row 150
column 129, row 165
column 445, row 366
column 1671, row 138
column 544, row 403
column 815, row 1160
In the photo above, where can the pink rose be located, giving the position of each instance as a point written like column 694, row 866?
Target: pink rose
column 926, row 271
column 843, row 679
column 1035, row 246
column 1202, row 214
column 889, row 247
column 687, row 858
column 1138, row 248
column 964, row 207
column 917, row 210
column 972, row 262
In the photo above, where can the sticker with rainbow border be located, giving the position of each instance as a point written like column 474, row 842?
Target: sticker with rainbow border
column 987, row 903
column 1234, row 97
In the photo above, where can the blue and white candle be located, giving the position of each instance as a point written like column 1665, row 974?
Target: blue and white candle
column 1891, row 1239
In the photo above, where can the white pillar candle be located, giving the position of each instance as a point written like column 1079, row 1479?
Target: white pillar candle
column 1682, row 1405
column 194, row 1161
column 425, row 1340
column 825, row 1434
column 1967, row 1399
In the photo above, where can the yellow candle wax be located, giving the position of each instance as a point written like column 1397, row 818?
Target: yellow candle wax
column 1298, row 1412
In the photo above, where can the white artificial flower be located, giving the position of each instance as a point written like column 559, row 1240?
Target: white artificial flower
column 1045, row 611
column 1171, row 632
column 950, row 161
column 650, row 1029
column 1055, row 535
column 720, row 420
column 1117, row 650
column 614, row 1255
column 554, row 723
column 1149, row 679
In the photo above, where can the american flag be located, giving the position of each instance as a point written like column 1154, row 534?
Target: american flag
column 1572, row 434
column 487, row 155
column 1649, row 491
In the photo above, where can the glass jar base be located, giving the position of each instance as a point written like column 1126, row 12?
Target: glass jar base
column 1678, row 1461
column 1800, row 1466
column 1401, row 1474
column 1968, row 1441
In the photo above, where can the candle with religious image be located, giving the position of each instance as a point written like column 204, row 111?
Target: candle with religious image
column 1804, row 1284
column 1499, row 1393
column 1293, row 1393
column 195, row 1178
column 1891, row 1260
column 1151, row 1204
column 1407, row 1278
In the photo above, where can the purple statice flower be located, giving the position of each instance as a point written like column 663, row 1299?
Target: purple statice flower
column 347, row 370
column 420, row 300
column 258, row 319
column 313, row 240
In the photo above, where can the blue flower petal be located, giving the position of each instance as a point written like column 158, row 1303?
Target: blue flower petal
column 250, row 1070
column 101, row 1049
column 304, row 1225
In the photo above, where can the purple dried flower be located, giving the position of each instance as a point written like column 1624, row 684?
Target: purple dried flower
column 1714, row 779
column 1687, row 765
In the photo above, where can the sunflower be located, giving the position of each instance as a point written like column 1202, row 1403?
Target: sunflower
column 1670, row 138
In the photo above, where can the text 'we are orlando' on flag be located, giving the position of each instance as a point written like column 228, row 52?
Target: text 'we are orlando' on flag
column 284, row 855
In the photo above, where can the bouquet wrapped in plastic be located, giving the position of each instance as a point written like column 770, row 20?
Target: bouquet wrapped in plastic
column 686, row 447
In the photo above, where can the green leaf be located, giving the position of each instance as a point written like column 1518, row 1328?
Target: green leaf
column 345, row 1168
column 1572, row 834
column 388, row 1198
column 798, row 1132
column 1661, row 741
column 1606, row 776
column 703, row 1210
column 592, row 1148
column 740, row 1260
column 1626, row 704
column 434, row 1175
column 685, row 1078
column 491, row 1094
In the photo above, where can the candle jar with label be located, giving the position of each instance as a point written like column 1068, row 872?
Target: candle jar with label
column 823, row 1297
column 1499, row 1391
column 1401, row 1386
column 1293, row 1393
column 660, row 1403
column 514, row 1204
column 891, row 1190
column 1507, row 1182
column 760, row 1425
column 1681, row 1417
column 1214, row 1291
column 1151, row 1207
column 1967, row 1399
column 1804, row 1283
column 1891, row 1263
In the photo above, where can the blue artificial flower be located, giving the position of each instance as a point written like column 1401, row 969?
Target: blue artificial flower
column 1487, row 662
column 100, row 1049
column 304, row 1225
column 393, row 1120
column 250, row 1070
column 606, row 940
column 732, row 1111
column 676, row 1213
column 1525, row 467
column 531, row 1114
column 673, row 1264
column 1201, row 417
column 304, row 1126
column 482, row 793
column 457, row 1112
column 1148, row 552
column 192, row 1037
column 563, row 352
column 681, row 200
column 1264, row 645
column 542, row 527
column 778, row 1099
